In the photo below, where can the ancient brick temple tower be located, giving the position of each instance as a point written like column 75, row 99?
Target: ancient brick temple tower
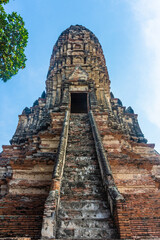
column 78, row 166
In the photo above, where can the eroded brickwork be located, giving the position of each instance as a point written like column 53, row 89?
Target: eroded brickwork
column 85, row 176
column 26, row 175
column 135, row 168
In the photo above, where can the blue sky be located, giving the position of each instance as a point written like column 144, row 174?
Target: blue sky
column 129, row 34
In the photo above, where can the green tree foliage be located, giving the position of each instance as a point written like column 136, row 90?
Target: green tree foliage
column 13, row 40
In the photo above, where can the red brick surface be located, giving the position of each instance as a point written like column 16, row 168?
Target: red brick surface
column 132, row 166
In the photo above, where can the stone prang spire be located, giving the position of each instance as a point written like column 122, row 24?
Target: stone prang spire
column 77, row 64
column 78, row 166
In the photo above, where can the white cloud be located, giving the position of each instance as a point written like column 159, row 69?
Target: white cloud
column 147, row 14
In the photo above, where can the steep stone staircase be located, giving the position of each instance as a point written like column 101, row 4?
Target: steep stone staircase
column 83, row 212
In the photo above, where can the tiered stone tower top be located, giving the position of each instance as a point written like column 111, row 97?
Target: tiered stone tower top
column 77, row 56
column 77, row 65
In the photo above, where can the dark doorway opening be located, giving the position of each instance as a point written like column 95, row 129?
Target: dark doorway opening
column 79, row 103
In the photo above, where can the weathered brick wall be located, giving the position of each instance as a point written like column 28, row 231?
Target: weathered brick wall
column 135, row 168
column 78, row 65
column 28, row 182
column 21, row 210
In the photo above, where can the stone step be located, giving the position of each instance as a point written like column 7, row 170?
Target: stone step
column 81, row 148
column 79, row 124
column 78, row 167
column 79, row 171
column 75, row 177
column 80, row 155
column 79, row 119
column 79, row 177
column 84, row 205
column 87, row 223
column 72, row 162
column 86, row 233
column 79, row 115
column 80, row 132
column 83, row 214
column 80, row 152
column 80, row 141
column 69, row 171
column 81, row 187
column 79, row 164
column 81, row 184
column 82, row 136
column 79, row 192
column 81, row 159
column 81, row 168
column 83, row 128
column 80, row 197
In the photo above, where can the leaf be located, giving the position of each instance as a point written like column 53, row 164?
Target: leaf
column 13, row 40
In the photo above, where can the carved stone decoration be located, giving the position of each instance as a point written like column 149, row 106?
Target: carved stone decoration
column 78, row 74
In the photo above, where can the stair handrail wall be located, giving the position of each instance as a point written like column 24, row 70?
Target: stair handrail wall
column 52, row 203
column 108, row 181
